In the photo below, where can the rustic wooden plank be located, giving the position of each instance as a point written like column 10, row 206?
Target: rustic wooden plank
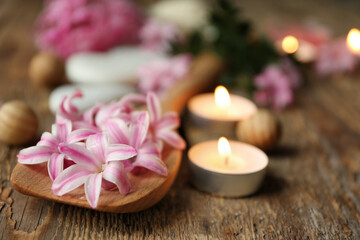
column 311, row 190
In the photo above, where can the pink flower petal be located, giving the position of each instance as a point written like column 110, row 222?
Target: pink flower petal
column 132, row 98
column 116, row 152
column 80, row 135
column 157, row 35
column 114, row 172
column 149, row 148
column 111, row 110
column 118, row 131
column 82, row 124
column 69, row 179
column 139, row 130
column 93, row 188
column 66, row 110
column 69, row 107
column 96, row 144
column 161, row 75
column 89, row 115
column 169, row 120
column 48, row 140
column 80, row 155
column 55, row 165
column 154, row 106
column 172, row 138
column 61, row 130
column 151, row 162
column 34, row 155
column 159, row 145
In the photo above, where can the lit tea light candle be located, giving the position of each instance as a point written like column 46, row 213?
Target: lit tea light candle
column 222, row 99
column 303, row 51
column 353, row 40
column 220, row 111
column 290, row 44
column 224, row 168
column 221, row 106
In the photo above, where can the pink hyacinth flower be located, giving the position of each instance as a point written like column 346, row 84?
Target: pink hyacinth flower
column 161, row 75
column 334, row 58
column 313, row 33
column 118, row 109
column 67, row 110
column 157, row 36
column 134, row 134
column 69, row 26
column 275, row 85
column 47, row 150
column 92, row 165
column 164, row 127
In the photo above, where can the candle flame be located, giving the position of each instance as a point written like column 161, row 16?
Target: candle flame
column 222, row 97
column 224, row 147
column 353, row 40
column 290, row 44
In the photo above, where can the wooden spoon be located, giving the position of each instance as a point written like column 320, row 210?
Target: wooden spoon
column 147, row 188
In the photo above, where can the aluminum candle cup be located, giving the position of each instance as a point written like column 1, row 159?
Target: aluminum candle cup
column 219, row 113
column 236, row 174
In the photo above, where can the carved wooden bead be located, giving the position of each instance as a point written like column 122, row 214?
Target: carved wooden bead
column 18, row 123
column 46, row 69
column 262, row 130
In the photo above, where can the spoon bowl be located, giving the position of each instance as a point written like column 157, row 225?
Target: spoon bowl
column 147, row 188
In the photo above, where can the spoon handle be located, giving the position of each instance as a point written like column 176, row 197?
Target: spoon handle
column 204, row 71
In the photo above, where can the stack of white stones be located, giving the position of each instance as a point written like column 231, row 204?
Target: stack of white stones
column 102, row 77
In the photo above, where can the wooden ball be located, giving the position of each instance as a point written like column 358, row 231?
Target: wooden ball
column 262, row 130
column 18, row 123
column 46, row 69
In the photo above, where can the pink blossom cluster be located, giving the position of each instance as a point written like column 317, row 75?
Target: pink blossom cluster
column 334, row 57
column 69, row 26
column 313, row 33
column 276, row 84
column 156, row 35
column 161, row 75
column 100, row 147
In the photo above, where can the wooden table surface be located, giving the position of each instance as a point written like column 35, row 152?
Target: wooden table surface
column 311, row 191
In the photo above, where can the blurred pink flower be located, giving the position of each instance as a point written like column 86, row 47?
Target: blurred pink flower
column 335, row 57
column 69, row 26
column 310, row 36
column 161, row 75
column 276, row 84
column 313, row 33
column 157, row 36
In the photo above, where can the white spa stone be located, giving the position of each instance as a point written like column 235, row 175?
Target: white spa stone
column 117, row 65
column 92, row 93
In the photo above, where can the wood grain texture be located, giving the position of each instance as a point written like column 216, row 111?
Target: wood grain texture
column 311, row 190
